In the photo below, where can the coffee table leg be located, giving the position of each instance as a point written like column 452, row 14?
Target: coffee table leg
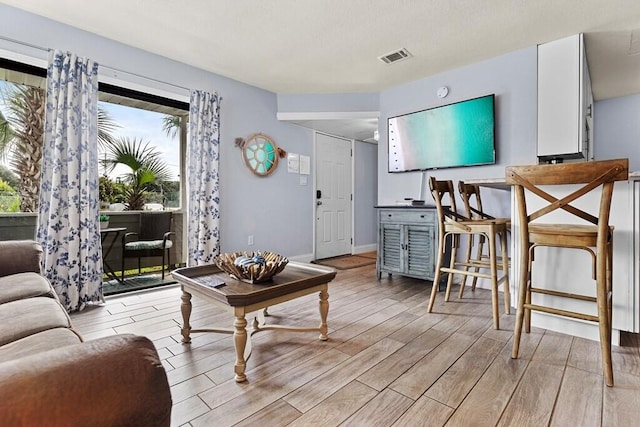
column 324, row 311
column 240, row 342
column 186, row 314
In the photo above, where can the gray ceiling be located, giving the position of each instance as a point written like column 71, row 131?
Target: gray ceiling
column 332, row 46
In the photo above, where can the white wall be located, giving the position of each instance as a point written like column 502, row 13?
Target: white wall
column 512, row 77
column 617, row 129
column 365, row 155
column 276, row 209
column 365, row 193
column 327, row 102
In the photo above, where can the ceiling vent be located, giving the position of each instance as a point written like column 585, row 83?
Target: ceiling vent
column 395, row 56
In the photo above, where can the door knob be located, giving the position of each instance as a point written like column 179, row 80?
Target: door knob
column 319, row 202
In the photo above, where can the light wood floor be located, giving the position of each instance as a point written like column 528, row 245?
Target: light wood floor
column 387, row 363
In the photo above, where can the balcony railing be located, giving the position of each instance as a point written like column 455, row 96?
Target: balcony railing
column 22, row 226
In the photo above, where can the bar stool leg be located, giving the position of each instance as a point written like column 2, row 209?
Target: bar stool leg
column 505, row 271
column 466, row 267
column 436, row 279
column 603, row 315
column 522, row 295
column 494, row 278
column 610, row 285
column 454, row 249
column 479, row 254
column 527, row 311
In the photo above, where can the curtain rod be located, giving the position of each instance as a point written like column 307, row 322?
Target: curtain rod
column 117, row 70
column 112, row 69
column 19, row 42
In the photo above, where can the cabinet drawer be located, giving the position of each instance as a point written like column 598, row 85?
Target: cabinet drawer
column 408, row 216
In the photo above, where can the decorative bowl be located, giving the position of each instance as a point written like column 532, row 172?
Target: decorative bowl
column 251, row 267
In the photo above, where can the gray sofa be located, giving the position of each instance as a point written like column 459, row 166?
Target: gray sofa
column 49, row 376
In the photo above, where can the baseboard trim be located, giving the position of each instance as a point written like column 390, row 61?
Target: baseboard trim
column 365, row 248
column 302, row 258
column 356, row 250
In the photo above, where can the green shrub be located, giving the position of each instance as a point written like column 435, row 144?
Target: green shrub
column 9, row 198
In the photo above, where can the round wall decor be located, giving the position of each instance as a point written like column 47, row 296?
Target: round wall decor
column 260, row 153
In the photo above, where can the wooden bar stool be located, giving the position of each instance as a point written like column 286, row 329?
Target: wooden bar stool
column 598, row 235
column 452, row 225
column 470, row 195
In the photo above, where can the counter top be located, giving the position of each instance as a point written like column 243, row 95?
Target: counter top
column 501, row 184
column 498, row 183
column 409, row 206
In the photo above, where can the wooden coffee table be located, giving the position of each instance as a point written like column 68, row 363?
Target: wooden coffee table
column 211, row 284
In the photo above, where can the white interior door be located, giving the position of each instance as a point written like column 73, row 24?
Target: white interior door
column 333, row 196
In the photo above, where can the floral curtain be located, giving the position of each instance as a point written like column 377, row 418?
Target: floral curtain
column 203, row 230
column 68, row 226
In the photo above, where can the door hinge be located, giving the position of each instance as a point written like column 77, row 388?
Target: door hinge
column 352, row 197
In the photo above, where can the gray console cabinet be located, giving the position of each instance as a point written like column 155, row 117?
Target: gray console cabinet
column 407, row 241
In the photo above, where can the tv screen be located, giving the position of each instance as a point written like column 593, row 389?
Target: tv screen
column 459, row 134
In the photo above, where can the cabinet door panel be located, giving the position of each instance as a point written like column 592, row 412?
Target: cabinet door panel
column 419, row 257
column 391, row 247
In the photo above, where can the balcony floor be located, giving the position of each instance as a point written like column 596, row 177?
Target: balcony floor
column 136, row 283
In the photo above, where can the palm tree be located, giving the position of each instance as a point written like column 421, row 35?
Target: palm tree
column 5, row 131
column 106, row 127
column 145, row 164
column 21, row 138
column 171, row 125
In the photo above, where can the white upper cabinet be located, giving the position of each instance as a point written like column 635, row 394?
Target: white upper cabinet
column 565, row 101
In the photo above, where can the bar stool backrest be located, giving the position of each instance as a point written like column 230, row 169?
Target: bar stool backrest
column 443, row 192
column 591, row 174
column 469, row 193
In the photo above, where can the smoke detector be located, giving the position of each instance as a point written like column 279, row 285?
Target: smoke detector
column 395, row 56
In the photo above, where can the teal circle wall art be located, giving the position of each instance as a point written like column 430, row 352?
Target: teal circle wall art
column 260, row 153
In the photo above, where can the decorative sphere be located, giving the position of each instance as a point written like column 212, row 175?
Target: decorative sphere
column 243, row 261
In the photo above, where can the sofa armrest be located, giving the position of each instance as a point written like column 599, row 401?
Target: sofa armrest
column 112, row 381
column 19, row 256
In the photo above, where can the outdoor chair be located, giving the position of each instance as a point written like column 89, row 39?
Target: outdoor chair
column 152, row 240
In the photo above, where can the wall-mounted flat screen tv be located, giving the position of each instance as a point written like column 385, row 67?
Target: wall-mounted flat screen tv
column 454, row 135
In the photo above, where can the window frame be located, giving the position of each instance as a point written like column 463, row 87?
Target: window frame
column 117, row 86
